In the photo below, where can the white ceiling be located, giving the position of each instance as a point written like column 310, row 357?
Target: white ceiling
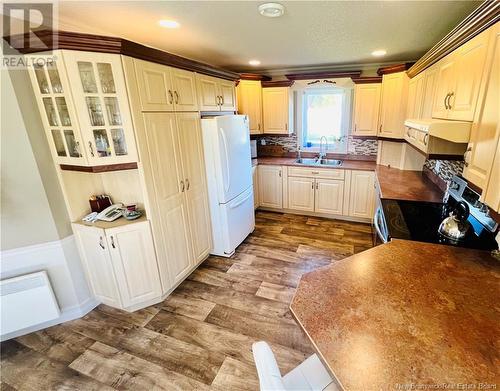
column 310, row 33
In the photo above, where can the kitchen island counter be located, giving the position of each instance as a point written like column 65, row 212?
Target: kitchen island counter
column 405, row 313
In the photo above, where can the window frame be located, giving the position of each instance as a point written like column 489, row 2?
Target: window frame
column 300, row 92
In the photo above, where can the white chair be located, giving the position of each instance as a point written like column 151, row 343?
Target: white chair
column 310, row 375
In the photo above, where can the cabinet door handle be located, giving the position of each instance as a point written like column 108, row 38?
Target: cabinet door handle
column 258, row 126
column 91, row 149
column 444, row 101
column 317, row 185
column 380, row 128
column 170, row 97
column 100, row 243
column 187, row 184
column 449, row 98
column 355, row 127
column 286, row 126
column 176, row 97
column 218, row 100
column 279, row 173
column 314, row 172
column 312, row 185
column 426, row 138
column 182, row 186
column 112, row 242
column 222, row 100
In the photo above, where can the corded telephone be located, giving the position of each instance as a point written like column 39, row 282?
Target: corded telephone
column 111, row 213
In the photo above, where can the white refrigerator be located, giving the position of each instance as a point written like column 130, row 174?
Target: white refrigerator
column 226, row 144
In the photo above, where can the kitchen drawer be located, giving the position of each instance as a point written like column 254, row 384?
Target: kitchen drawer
column 311, row 172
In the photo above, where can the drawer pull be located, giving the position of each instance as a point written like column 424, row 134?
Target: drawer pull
column 314, row 172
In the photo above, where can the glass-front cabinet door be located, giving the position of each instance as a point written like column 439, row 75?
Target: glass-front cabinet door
column 100, row 95
column 53, row 96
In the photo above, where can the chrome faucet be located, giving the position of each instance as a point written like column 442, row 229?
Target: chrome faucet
column 322, row 153
column 299, row 154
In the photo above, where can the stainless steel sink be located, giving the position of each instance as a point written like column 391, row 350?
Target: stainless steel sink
column 319, row 162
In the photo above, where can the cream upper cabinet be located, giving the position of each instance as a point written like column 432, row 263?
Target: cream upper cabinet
column 165, row 88
column 250, row 103
column 366, row 109
column 134, row 261
column 97, row 263
column 329, row 196
column 459, row 76
column 429, row 91
column 393, row 105
column 301, row 193
column 416, row 88
column 53, row 95
column 184, row 90
column 362, row 194
column 156, row 86
column 215, row 94
column 276, row 110
column 228, row 95
column 270, row 186
column 101, row 102
column 483, row 144
column 191, row 151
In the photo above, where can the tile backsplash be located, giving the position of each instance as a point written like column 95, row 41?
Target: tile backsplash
column 445, row 169
column 354, row 146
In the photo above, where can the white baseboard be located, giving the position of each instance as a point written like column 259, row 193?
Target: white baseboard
column 66, row 315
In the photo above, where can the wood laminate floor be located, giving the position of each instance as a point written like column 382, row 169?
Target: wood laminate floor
column 200, row 337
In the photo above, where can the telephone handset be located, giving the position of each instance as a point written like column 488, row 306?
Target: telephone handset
column 111, row 213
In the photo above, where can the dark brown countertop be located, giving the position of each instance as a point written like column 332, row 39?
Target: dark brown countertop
column 406, row 185
column 346, row 164
column 405, row 312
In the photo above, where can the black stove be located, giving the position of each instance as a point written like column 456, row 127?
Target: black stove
column 419, row 221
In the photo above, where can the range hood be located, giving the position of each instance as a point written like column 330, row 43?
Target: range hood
column 454, row 131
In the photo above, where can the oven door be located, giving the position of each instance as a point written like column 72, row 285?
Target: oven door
column 380, row 234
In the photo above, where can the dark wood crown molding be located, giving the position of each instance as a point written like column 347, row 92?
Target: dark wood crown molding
column 277, row 83
column 323, row 75
column 394, row 68
column 98, row 43
column 367, row 79
column 254, row 76
column 484, row 16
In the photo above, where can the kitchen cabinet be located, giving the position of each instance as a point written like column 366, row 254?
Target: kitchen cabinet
column 101, row 103
column 255, row 181
column 366, row 109
column 215, row 94
column 277, row 110
column 458, row 79
column 270, row 186
column 165, row 88
column 301, row 193
column 482, row 157
column 250, row 103
column 84, row 108
column 329, row 197
column 120, row 263
column 52, row 91
column 362, row 194
column 430, row 82
column 177, row 188
column 416, row 88
column 393, row 105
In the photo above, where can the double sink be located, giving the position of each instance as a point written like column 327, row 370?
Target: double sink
column 319, row 162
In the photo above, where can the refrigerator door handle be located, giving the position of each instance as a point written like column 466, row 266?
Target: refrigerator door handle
column 237, row 203
column 225, row 175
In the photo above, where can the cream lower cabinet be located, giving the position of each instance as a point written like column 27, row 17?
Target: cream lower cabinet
column 329, row 197
column 362, row 194
column 120, row 263
column 255, row 181
column 270, row 186
column 301, row 193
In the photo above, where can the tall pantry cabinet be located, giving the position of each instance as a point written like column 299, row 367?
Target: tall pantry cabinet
column 171, row 156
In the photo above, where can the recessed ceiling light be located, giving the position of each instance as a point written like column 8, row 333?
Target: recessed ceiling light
column 378, row 53
column 271, row 10
column 169, row 24
column 254, row 62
